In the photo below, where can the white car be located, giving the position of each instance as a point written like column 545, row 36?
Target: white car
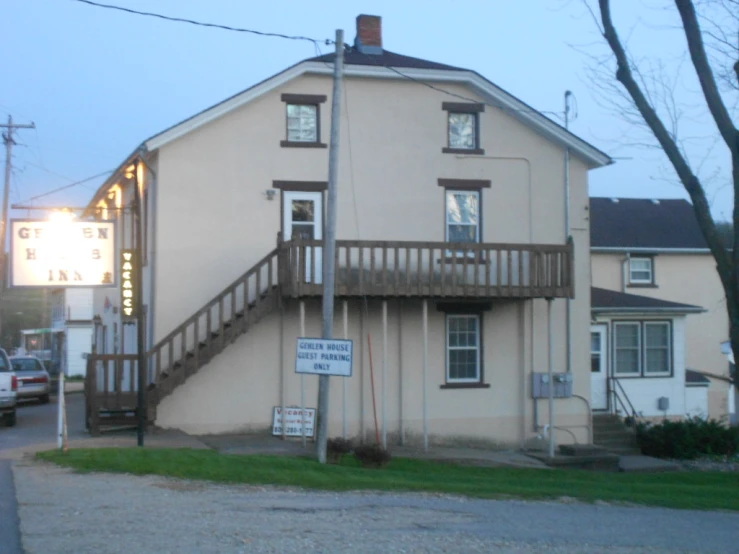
column 8, row 387
column 33, row 379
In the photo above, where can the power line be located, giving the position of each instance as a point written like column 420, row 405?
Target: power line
column 454, row 94
column 203, row 24
column 69, row 185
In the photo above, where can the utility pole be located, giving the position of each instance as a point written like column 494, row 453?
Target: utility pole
column 142, row 407
column 9, row 142
column 329, row 261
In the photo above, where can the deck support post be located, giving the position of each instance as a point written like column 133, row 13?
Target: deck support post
column 343, row 379
column 302, row 380
column 384, row 373
column 423, row 373
column 550, row 371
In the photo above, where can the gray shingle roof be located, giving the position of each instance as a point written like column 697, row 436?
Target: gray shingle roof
column 642, row 223
column 695, row 378
column 604, row 301
column 386, row 59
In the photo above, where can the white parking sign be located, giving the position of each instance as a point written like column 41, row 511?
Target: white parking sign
column 324, row 357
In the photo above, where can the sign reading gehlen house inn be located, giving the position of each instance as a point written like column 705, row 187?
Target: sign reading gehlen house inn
column 62, row 253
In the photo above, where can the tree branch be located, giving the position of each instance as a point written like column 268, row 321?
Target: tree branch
column 705, row 75
column 667, row 142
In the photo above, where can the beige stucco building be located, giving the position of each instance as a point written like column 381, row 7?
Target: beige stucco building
column 452, row 245
column 654, row 250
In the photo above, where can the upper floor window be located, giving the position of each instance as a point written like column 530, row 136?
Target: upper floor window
column 303, row 120
column 463, row 128
column 463, row 216
column 641, row 271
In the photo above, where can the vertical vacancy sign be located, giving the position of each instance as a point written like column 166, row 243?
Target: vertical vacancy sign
column 62, row 253
column 129, row 291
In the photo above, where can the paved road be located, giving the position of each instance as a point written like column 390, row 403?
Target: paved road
column 65, row 512
column 37, row 425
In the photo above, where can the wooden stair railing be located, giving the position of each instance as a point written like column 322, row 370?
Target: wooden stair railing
column 208, row 331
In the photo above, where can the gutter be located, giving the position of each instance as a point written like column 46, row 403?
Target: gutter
column 647, row 311
column 642, row 250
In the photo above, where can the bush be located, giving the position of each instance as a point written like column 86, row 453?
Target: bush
column 336, row 448
column 687, row 439
column 372, row 455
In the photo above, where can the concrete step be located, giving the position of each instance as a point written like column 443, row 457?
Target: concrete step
column 619, row 435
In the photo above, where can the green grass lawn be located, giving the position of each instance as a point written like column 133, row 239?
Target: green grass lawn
column 695, row 490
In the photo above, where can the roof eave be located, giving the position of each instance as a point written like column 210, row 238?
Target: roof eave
column 646, row 311
column 647, row 250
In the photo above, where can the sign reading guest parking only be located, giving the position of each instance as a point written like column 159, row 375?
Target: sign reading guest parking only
column 324, row 357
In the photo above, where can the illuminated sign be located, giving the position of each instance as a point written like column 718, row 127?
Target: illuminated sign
column 128, row 285
column 62, row 253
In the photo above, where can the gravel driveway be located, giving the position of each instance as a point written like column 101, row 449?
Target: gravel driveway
column 66, row 512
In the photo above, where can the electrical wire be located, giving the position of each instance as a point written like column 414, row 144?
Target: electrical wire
column 65, row 187
column 454, row 94
column 202, row 23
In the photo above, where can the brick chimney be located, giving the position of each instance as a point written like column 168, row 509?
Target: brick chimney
column 369, row 34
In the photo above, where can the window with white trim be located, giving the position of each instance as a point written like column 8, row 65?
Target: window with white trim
column 641, row 271
column 657, row 348
column 626, row 349
column 463, row 348
column 463, row 134
column 463, row 216
column 642, row 348
column 302, row 123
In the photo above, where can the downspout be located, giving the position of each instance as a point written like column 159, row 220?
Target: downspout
column 624, row 269
column 568, row 302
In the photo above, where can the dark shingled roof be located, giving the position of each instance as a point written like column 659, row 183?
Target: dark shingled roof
column 695, row 378
column 602, row 300
column 643, row 223
column 391, row 59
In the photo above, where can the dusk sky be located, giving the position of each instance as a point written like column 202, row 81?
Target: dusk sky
column 97, row 82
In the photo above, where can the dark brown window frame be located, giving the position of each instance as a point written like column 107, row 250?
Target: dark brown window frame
column 304, row 100
column 462, row 308
column 643, row 374
column 465, row 108
column 301, row 186
column 464, row 185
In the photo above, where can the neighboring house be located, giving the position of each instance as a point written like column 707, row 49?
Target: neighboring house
column 659, row 309
column 452, row 236
column 71, row 323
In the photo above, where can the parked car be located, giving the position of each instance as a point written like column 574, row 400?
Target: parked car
column 8, row 390
column 33, row 379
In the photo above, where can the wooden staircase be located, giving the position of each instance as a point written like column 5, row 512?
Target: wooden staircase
column 110, row 383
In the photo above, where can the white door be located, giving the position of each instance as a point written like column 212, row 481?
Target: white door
column 598, row 367
column 303, row 218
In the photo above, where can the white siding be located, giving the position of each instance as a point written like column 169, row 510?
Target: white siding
column 696, row 401
column 79, row 341
column 78, row 304
column 644, row 392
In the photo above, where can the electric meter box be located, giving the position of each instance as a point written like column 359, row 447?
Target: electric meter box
column 562, row 385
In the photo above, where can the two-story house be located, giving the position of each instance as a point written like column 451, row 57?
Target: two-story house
column 452, row 255
column 659, row 311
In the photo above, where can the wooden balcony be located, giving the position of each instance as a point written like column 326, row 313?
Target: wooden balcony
column 430, row 269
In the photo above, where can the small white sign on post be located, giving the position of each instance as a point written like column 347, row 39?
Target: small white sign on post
column 292, row 421
column 324, row 357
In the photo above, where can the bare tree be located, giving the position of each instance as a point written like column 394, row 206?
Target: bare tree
column 708, row 64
